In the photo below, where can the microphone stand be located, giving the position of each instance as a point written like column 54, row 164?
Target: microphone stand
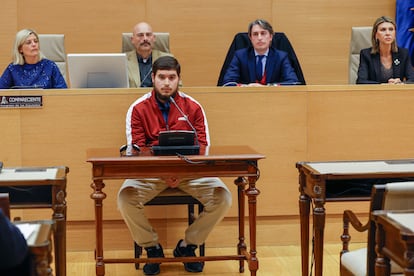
column 186, row 119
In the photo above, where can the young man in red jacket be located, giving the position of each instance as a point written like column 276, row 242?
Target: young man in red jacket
column 146, row 117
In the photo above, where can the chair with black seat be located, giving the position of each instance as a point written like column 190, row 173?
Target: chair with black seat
column 279, row 41
column 5, row 204
column 391, row 196
column 172, row 196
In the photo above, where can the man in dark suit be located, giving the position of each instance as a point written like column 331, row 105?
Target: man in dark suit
column 260, row 64
column 14, row 252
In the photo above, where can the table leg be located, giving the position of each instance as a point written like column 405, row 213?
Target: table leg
column 382, row 263
column 42, row 259
column 382, row 268
column 59, row 231
column 241, row 247
column 252, row 194
column 319, row 226
column 98, row 196
column 304, row 210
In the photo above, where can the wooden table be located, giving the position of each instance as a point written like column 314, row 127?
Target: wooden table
column 227, row 161
column 394, row 240
column 322, row 182
column 40, row 246
column 41, row 187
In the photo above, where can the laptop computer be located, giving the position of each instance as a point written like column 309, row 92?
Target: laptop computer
column 98, row 70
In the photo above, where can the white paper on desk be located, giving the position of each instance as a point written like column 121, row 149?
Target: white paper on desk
column 29, row 231
column 361, row 167
column 406, row 220
column 12, row 174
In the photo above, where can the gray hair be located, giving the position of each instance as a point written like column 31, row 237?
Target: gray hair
column 262, row 23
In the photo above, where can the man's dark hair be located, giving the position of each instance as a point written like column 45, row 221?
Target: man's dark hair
column 262, row 23
column 166, row 63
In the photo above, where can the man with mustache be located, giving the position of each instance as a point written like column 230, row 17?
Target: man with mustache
column 140, row 60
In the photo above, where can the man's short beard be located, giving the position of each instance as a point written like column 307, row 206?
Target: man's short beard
column 163, row 98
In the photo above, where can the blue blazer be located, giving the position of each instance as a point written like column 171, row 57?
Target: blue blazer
column 242, row 68
column 369, row 71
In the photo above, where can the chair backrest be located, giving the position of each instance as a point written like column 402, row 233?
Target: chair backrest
column 280, row 42
column 53, row 47
column 391, row 196
column 5, row 204
column 360, row 39
column 162, row 42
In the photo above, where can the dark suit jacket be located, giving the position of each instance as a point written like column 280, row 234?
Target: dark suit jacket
column 369, row 67
column 278, row 68
column 13, row 249
column 279, row 42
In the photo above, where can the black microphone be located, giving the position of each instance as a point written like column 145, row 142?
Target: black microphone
column 186, row 119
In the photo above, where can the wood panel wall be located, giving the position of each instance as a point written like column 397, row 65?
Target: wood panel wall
column 201, row 31
column 287, row 124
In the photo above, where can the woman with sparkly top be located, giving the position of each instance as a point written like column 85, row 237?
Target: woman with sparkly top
column 30, row 68
column 384, row 62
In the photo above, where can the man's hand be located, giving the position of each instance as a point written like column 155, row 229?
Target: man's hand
column 255, row 84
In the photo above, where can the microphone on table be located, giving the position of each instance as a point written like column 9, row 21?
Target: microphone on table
column 128, row 150
column 186, row 119
column 27, row 87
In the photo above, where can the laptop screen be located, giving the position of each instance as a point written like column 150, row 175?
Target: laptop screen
column 98, row 70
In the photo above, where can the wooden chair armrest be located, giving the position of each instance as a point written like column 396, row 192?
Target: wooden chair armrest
column 350, row 217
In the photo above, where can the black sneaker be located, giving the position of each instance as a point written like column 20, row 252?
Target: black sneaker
column 153, row 252
column 188, row 251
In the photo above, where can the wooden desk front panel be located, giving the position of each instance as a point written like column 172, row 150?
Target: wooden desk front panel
column 372, row 122
column 287, row 124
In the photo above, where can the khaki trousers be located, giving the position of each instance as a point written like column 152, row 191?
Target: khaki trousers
column 210, row 191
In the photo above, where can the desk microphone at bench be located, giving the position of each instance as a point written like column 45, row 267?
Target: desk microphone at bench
column 175, row 142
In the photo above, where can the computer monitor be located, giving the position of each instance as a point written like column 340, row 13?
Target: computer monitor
column 98, row 70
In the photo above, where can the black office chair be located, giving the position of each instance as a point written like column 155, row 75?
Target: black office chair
column 5, row 204
column 280, row 42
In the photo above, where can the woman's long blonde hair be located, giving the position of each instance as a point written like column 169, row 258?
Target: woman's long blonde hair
column 21, row 37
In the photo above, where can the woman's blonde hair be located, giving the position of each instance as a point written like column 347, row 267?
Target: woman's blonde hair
column 21, row 37
column 375, row 43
